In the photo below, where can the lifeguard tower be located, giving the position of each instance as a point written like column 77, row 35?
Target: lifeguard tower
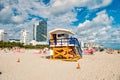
column 64, row 46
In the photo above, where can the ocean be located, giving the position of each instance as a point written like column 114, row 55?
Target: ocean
column 115, row 46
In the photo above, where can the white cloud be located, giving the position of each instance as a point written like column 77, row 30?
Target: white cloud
column 62, row 21
column 87, row 22
column 100, row 23
column 58, row 12
column 62, row 6
column 5, row 15
column 98, row 28
column 103, row 18
column 17, row 19
column 97, row 3
column 55, row 8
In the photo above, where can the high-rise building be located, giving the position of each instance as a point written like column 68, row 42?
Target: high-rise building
column 3, row 36
column 40, row 31
column 24, row 38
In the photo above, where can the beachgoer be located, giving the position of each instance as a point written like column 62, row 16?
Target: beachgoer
column 51, row 53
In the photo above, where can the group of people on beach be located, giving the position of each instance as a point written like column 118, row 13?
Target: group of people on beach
column 90, row 51
column 23, row 50
column 111, row 51
column 14, row 49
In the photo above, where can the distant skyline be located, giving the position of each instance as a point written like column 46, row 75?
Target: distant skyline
column 96, row 20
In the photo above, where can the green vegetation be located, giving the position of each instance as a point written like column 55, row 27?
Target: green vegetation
column 21, row 45
column 35, row 47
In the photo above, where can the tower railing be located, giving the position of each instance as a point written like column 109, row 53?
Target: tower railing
column 63, row 42
column 66, row 42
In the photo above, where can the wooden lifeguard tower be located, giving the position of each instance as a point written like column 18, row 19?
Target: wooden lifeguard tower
column 64, row 46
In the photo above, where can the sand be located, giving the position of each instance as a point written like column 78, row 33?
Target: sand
column 100, row 66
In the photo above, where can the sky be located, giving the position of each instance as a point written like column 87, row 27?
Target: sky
column 92, row 20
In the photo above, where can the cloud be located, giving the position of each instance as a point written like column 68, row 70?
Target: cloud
column 5, row 15
column 62, row 21
column 97, row 3
column 15, row 14
column 17, row 19
column 98, row 29
column 35, row 7
column 62, row 6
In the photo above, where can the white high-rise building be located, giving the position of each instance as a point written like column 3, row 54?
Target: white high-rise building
column 3, row 36
column 24, row 38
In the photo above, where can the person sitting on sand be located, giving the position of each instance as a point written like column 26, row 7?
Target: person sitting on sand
column 118, row 51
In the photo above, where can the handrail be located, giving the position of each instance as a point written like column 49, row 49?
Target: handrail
column 68, row 42
column 63, row 41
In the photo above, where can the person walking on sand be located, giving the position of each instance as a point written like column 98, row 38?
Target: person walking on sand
column 51, row 54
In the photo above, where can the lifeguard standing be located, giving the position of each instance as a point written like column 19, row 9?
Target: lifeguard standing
column 64, row 46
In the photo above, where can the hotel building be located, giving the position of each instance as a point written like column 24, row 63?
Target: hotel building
column 3, row 36
column 24, row 38
column 40, row 31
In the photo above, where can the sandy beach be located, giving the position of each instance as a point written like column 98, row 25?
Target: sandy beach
column 100, row 66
